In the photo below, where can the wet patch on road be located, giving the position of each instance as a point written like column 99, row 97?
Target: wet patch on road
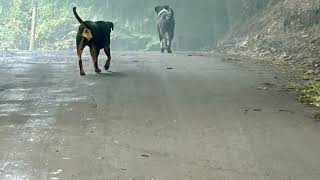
column 31, row 93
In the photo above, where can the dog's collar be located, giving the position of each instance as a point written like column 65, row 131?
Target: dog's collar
column 162, row 11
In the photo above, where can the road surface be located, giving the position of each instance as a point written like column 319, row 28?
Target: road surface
column 153, row 117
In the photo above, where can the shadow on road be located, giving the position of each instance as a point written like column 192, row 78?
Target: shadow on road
column 108, row 74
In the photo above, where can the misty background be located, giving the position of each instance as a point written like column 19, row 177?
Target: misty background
column 199, row 24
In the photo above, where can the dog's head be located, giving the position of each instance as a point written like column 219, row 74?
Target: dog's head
column 110, row 25
column 164, row 9
column 158, row 9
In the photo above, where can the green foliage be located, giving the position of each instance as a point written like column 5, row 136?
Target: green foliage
column 310, row 94
column 56, row 25
column 316, row 117
column 14, row 23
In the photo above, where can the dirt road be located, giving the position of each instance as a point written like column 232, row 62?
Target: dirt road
column 154, row 117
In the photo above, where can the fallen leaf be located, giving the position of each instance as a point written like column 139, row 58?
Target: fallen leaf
column 262, row 88
column 257, row 110
column 288, row 111
column 245, row 112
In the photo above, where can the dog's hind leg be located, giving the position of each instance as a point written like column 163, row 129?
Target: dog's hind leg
column 94, row 54
column 162, row 45
column 108, row 53
column 165, row 42
column 161, row 42
column 169, row 46
column 80, row 47
column 170, row 43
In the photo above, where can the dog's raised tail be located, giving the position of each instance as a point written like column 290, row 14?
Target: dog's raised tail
column 78, row 17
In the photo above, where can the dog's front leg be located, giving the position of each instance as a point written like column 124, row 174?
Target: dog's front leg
column 166, row 43
column 169, row 46
column 94, row 54
column 108, row 53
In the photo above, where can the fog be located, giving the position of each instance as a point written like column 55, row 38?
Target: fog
column 199, row 24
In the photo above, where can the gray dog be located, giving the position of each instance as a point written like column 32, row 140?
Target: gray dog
column 165, row 26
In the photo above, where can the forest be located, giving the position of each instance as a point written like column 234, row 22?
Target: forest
column 200, row 24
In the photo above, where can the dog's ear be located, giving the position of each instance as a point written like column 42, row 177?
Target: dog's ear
column 110, row 25
column 157, row 9
column 172, row 12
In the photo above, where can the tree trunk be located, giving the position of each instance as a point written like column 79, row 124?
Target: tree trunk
column 33, row 28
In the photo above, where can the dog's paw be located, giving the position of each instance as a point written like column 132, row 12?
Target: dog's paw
column 169, row 51
column 107, row 66
column 82, row 74
column 98, row 70
column 162, row 50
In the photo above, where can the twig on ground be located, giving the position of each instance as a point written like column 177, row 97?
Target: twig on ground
column 307, row 45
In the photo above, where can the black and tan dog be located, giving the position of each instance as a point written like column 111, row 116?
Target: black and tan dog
column 165, row 25
column 96, row 35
